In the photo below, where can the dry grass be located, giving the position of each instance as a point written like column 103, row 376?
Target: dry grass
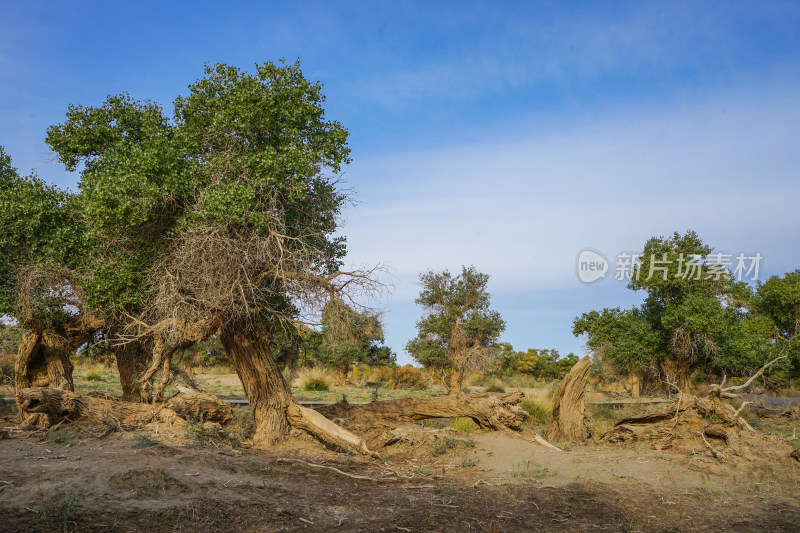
column 313, row 379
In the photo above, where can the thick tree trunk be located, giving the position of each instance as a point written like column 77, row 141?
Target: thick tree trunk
column 636, row 387
column 42, row 361
column 490, row 410
column 679, row 373
column 342, row 371
column 274, row 409
column 454, row 381
column 571, row 421
column 131, row 363
column 263, row 383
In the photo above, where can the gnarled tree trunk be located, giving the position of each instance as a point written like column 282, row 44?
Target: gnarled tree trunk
column 131, row 363
column 43, row 359
column 273, row 408
column 489, row 410
column 263, row 384
column 454, row 381
column 571, row 421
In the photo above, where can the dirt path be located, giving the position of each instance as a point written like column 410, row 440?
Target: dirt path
column 513, row 486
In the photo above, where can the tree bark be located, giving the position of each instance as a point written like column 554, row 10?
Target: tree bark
column 263, row 384
column 571, row 421
column 679, row 373
column 43, row 359
column 341, row 374
column 636, row 388
column 131, row 363
column 454, row 381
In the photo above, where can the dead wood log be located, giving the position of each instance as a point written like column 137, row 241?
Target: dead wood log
column 571, row 420
column 488, row 410
column 200, row 406
column 60, row 404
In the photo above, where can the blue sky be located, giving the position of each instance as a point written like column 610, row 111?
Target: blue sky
column 508, row 135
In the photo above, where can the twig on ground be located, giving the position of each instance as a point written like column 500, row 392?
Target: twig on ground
column 353, row 476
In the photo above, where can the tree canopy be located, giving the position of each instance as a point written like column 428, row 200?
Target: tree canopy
column 693, row 316
column 458, row 329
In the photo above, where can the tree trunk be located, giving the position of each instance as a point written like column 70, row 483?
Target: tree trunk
column 454, row 381
column 571, row 421
column 679, row 373
column 274, row 409
column 42, row 361
column 131, row 363
column 342, row 372
column 490, row 410
column 263, row 384
column 636, row 387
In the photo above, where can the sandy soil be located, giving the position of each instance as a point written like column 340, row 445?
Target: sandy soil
column 491, row 482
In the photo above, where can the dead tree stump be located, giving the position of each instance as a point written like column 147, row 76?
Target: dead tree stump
column 571, row 421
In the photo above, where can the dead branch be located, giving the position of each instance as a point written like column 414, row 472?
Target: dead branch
column 352, row 476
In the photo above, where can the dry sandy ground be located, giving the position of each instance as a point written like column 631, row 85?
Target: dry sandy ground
column 500, row 483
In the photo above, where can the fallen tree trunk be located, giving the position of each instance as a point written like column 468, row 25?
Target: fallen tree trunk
column 59, row 404
column 488, row 410
column 570, row 420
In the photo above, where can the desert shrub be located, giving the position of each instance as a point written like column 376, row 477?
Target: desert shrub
column 198, row 433
column 58, row 510
column 94, row 374
column 538, row 412
column 144, row 440
column 400, row 377
column 464, row 424
column 495, row 386
column 313, row 379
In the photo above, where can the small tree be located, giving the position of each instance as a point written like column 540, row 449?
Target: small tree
column 458, row 331
column 349, row 336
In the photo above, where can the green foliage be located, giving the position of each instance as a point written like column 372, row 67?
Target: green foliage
column 38, row 227
column 350, row 337
column 778, row 300
column 458, row 330
column 94, row 374
column 198, row 433
column 242, row 150
column 144, row 440
column 542, row 364
column 693, row 314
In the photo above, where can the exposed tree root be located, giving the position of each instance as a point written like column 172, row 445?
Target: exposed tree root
column 693, row 421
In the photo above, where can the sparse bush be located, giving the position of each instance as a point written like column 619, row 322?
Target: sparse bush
column 58, row 510
column 94, row 374
column 495, row 386
column 198, row 433
column 468, row 460
column 400, row 377
column 313, row 379
column 464, row 424
column 539, row 412
column 143, row 440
